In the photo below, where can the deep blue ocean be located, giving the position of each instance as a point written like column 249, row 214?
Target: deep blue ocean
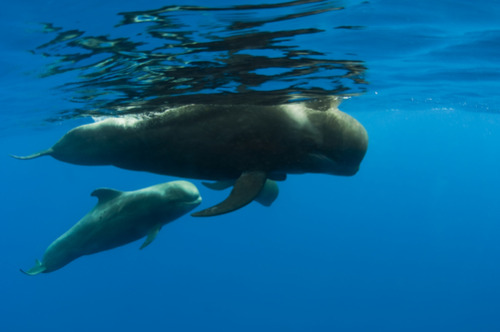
column 410, row 243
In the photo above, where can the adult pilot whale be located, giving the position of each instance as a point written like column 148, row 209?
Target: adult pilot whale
column 246, row 144
column 119, row 218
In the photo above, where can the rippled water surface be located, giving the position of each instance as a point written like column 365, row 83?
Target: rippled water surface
column 410, row 243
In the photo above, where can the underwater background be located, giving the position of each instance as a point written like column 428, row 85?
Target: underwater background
column 410, row 243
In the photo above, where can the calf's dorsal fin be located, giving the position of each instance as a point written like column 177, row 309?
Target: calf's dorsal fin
column 106, row 194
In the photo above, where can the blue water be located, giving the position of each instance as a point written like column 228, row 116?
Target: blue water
column 410, row 243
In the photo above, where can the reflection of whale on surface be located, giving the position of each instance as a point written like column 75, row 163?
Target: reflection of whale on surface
column 246, row 144
column 118, row 218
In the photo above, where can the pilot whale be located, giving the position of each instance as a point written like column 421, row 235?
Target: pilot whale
column 118, row 218
column 244, row 144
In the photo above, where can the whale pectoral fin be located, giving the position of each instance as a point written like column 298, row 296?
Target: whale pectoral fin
column 218, row 185
column 268, row 194
column 37, row 269
column 246, row 189
column 151, row 237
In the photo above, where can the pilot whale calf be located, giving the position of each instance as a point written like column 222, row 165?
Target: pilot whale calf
column 118, row 218
column 244, row 144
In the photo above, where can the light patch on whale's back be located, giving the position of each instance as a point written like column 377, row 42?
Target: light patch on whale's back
column 128, row 119
column 99, row 118
column 122, row 121
column 299, row 114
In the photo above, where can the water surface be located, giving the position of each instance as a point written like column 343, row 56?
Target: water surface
column 408, row 244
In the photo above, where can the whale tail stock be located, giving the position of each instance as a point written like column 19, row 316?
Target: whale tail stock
column 37, row 269
column 34, row 155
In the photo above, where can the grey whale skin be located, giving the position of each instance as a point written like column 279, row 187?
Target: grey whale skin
column 243, row 144
column 120, row 217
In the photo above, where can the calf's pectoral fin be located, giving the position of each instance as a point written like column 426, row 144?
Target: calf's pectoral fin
column 37, row 269
column 246, row 189
column 151, row 237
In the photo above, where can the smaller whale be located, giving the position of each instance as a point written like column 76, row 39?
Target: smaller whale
column 120, row 217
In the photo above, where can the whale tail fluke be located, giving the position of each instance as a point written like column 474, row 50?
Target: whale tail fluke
column 34, row 155
column 37, row 269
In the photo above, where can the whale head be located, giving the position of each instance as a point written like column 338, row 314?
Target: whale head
column 344, row 142
column 178, row 197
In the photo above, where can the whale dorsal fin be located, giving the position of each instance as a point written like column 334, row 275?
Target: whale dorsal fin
column 246, row 189
column 106, row 194
column 324, row 104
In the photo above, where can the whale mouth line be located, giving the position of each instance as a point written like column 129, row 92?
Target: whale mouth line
column 331, row 166
column 196, row 201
